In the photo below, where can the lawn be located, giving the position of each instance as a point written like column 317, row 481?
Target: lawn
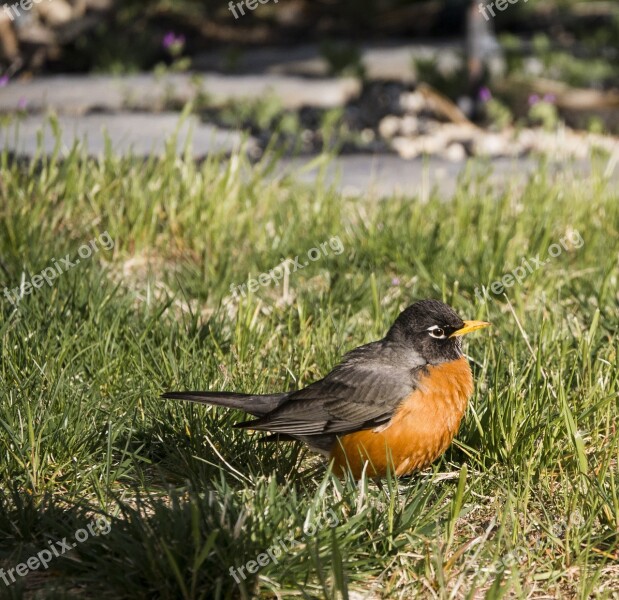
column 524, row 504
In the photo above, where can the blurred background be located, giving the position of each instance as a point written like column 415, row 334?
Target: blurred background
column 210, row 140
column 395, row 79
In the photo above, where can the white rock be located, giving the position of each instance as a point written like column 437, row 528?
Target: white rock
column 455, row 152
column 424, row 144
column 389, row 126
column 491, row 144
column 367, row 135
column 412, row 102
column 409, row 125
column 405, row 147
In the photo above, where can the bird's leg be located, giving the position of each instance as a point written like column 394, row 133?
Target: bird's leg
column 379, row 484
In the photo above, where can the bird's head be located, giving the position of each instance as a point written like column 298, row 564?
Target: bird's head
column 433, row 329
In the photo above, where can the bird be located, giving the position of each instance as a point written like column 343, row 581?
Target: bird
column 393, row 405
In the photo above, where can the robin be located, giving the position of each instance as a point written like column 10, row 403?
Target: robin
column 396, row 403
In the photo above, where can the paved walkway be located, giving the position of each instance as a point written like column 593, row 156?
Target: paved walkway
column 133, row 113
column 141, row 134
column 383, row 176
column 75, row 94
column 394, row 61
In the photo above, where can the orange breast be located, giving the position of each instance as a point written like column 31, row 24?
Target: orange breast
column 419, row 432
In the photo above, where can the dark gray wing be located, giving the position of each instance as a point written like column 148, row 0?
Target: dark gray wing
column 361, row 393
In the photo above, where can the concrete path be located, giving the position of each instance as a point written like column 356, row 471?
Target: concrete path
column 74, row 94
column 89, row 108
column 395, row 60
column 383, row 176
column 141, row 134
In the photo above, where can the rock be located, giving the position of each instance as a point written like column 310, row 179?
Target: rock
column 405, row 147
column 389, row 126
column 455, row 152
column 491, row 144
column 412, row 102
column 368, row 136
column 424, row 144
column 409, row 125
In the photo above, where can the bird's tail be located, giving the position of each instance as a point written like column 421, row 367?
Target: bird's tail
column 253, row 404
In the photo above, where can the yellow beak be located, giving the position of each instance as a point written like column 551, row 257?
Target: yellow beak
column 468, row 327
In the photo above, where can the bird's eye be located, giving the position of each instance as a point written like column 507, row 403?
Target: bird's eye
column 436, row 332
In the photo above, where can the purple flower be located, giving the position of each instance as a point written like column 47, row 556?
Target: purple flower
column 4, row 80
column 533, row 99
column 395, row 281
column 170, row 39
column 485, row 95
column 550, row 98
column 22, row 103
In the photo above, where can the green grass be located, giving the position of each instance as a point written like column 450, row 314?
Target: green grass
column 524, row 502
